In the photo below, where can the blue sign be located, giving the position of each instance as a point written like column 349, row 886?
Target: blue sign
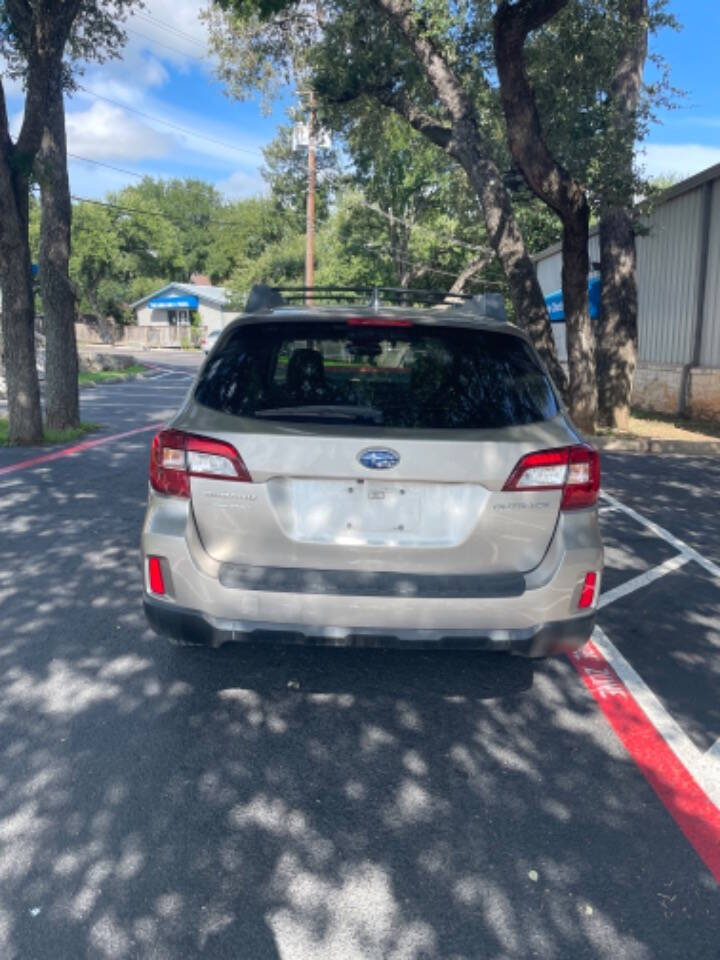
column 380, row 459
column 554, row 302
column 173, row 303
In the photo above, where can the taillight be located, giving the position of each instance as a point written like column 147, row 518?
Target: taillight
column 176, row 456
column 574, row 470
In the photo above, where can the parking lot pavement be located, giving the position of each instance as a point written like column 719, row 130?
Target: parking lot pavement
column 320, row 803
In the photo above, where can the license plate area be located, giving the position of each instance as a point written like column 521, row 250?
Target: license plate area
column 377, row 512
column 389, row 508
column 367, row 511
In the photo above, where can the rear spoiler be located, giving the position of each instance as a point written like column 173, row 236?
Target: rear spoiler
column 490, row 306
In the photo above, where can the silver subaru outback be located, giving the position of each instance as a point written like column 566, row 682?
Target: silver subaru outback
column 375, row 476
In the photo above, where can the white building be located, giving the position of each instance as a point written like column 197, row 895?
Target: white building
column 171, row 307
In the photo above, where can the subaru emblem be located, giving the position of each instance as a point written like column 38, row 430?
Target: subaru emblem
column 379, row 458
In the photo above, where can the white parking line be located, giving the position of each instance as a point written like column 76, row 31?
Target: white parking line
column 630, row 586
column 703, row 768
column 664, row 534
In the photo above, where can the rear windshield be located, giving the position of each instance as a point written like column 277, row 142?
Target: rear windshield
column 349, row 372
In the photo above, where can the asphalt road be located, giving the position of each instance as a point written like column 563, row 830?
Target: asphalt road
column 325, row 804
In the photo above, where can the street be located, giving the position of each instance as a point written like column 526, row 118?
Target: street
column 294, row 802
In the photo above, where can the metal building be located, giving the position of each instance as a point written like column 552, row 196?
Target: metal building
column 678, row 274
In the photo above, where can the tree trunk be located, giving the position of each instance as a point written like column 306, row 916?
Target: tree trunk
column 507, row 242
column 62, row 407
column 617, row 337
column 18, row 309
column 554, row 186
column 41, row 30
column 18, row 334
column 617, row 344
column 579, row 329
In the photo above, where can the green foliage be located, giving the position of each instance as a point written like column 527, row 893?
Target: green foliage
column 110, row 376
column 286, row 173
column 96, row 34
column 97, row 263
column 249, row 226
column 357, row 56
column 187, row 210
column 572, row 62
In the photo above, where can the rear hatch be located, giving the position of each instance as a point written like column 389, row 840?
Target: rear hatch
column 375, row 443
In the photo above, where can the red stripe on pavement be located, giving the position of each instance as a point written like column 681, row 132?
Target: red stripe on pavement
column 693, row 811
column 76, row 448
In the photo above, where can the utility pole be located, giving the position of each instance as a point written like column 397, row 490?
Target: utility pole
column 310, row 224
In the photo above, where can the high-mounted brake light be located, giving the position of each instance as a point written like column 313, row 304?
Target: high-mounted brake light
column 176, row 456
column 379, row 322
column 574, row 470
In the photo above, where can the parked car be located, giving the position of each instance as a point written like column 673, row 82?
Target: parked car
column 378, row 475
column 209, row 341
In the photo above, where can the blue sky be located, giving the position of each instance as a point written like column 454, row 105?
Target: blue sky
column 166, row 75
column 688, row 137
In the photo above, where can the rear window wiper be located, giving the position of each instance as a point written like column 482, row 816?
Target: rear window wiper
column 345, row 413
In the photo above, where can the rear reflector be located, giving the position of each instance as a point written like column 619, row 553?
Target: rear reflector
column 574, row 470
column 587, row 594
column 176, row 456
column 155, row 575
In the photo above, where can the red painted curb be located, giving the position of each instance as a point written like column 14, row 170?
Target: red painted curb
column 76, row 448
column 691, row 808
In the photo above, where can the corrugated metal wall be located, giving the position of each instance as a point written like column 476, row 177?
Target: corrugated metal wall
column 668, row 275
column 668, row 265
column 710, row 354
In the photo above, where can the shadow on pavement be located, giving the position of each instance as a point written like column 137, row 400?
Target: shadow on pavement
column 298, row 803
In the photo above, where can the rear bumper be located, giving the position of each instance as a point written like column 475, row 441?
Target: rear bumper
column 193, row 626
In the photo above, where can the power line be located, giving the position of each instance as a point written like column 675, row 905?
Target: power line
column 155, row 21
column 168, row 123
column 157, row 214
column 99, row 163
column 159, row 43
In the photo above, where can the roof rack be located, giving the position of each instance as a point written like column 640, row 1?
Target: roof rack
column 487, row 305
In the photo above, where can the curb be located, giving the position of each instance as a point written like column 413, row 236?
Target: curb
column 698, row 448
column 130, row 376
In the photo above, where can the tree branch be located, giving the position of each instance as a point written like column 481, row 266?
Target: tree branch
column 438, row 71
column 425, row 124
column 399, row 101
column 532, row 14
column 545, row 176
column 475, row 266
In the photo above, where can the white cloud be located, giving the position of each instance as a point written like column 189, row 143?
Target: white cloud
column 164, row 36
column 241, row 184
column 682, row 159
column 105, row 132
column 171, row 30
